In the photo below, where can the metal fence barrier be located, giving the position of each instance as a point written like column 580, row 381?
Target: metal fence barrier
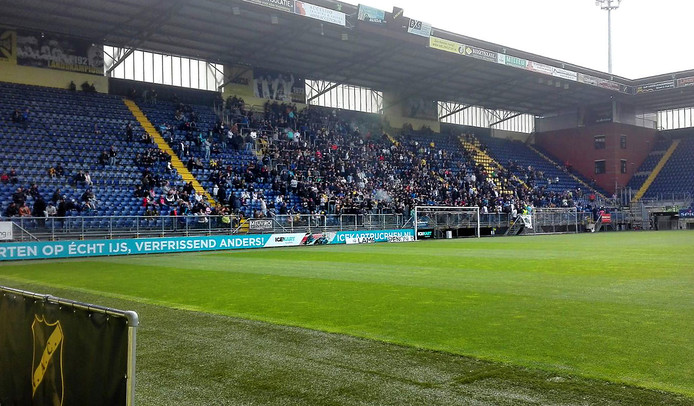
column 110, row 227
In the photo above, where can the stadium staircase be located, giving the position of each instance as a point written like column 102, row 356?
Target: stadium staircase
column 658, row 168
column 659, row 149
column 393, row 140
column 239, row 160
column 176, row 162
column 72, row 129
column 516, row 228
column 482, row 158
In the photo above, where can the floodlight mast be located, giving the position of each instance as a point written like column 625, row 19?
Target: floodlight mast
column 609, row 5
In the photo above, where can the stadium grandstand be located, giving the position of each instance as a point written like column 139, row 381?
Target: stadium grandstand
column 258, row 120
column 210, row 127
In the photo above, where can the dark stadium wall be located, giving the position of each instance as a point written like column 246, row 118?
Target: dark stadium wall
column 123, row 87
column 28, row 75
column 578, row 147
column 510, row 135
column 395, row 109
column 456, row 130
column 240, row 84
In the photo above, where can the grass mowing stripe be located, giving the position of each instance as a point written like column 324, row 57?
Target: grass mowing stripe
column 580, row 304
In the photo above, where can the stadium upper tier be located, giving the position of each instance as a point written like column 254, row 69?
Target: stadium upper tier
column 332, row 43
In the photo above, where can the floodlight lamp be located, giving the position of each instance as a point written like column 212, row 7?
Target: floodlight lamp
column 608, row 4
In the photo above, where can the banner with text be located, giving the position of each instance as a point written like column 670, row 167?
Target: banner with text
column 320, row 13
column 684, row 82
column 420, row 28
column 513, row 61
column 282, row 5
column 54, row 354
column 260, row 224
column 372, row 15
column 6, row 231
column 655, row 87
column 377, row 236
column 443, row 44
column 280, row 86
column 480, row 53
column 93, row 248
column 45, row 50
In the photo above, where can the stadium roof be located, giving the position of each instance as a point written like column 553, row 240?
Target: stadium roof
column 379, row 56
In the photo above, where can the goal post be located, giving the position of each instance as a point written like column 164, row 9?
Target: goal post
column 552, row 221
column 446, row 222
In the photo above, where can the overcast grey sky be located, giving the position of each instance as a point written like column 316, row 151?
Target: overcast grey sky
column 649, row 37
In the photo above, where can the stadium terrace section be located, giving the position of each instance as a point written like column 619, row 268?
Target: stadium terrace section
column 84, row 154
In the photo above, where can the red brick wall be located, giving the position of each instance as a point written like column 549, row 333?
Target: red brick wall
column 577, row 146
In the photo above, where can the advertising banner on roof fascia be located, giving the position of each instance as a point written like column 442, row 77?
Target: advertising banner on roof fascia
column 587, row 79
column 603, row 83
column 283, row 5
column 539, row 68
column 564, row 74
column 446, row 45
column 684, row 82
column 52, row 51
column 372, row 15
column 320, row 13
column 655, row 87
column 608, row 84
column 480, row 53
column 418, row 27
column 514, row 61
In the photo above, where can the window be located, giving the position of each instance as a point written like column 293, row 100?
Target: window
column 623, row 166
column 623, row 142
column 343, row 96
column 477, row 116
column 599, row 141
column 599, row 167
column 164, row 69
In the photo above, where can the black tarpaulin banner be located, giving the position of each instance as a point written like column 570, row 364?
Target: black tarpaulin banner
column 57, row 354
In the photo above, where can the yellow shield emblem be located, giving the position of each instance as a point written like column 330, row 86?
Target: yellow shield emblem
column 47, row 364
column 8, row 46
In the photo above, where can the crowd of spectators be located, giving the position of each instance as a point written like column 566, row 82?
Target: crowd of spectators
column 313, row 161
column 333, row 165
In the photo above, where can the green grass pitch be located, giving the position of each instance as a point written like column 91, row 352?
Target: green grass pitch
column 575, row 319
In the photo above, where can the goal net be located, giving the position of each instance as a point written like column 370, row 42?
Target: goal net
column 551, row 221
column 446, row 222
